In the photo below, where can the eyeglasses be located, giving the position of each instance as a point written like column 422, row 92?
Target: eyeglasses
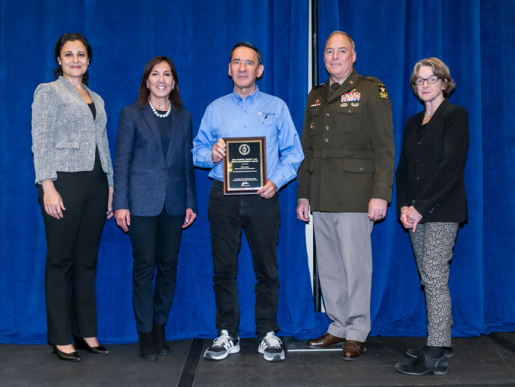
column 432, row 79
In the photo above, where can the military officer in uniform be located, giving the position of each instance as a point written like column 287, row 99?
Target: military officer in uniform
column 346, row 181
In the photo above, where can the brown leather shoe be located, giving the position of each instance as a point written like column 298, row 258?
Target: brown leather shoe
column 353, row 350
column 325, row 341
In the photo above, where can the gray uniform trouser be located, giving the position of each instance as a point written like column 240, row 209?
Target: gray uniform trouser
column 344, row 255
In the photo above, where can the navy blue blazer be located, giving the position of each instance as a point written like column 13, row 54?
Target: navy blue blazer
column 144, row 178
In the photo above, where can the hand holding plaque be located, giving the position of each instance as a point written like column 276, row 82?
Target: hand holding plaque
column 244, row 165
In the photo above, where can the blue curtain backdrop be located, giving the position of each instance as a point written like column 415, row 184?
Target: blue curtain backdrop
column 198, row 36
column 473, row 37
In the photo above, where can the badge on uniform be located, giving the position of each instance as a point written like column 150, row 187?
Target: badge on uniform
column 382, row 91
column 314, row 106
column 312, row 126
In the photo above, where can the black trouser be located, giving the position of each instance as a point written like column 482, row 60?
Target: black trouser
column 155, row 243
column 260, row 218
column 72, row 254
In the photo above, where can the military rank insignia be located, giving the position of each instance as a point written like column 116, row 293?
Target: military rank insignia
column 382, row 91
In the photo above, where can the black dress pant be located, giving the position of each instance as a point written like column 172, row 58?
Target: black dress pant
column 155, row 244
column 260, row 218
column 72, row 255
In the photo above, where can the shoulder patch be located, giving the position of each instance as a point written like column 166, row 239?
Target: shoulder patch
column 382, row 91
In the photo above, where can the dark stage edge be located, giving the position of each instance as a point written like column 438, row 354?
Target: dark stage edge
column 480, row 361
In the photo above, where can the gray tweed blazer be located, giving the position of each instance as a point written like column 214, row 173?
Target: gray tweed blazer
column 64, row 134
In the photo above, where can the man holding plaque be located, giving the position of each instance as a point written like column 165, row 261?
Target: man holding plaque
column 346, row 179
column 248, row 137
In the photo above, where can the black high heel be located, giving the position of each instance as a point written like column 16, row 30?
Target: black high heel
column 81, row 344
column 74, row 356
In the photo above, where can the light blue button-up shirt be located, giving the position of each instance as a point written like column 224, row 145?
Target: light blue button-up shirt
column 259, row 115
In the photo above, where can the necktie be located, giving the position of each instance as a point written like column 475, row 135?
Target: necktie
column 334, row 87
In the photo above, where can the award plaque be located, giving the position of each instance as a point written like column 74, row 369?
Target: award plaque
column 244, row 165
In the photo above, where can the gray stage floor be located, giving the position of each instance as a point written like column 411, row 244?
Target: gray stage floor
column 481, row 361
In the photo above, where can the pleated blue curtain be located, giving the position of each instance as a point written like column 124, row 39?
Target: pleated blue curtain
column 474, row 38
column 198, row 35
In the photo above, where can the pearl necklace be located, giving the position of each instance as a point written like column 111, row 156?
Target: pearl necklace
column 155, row 111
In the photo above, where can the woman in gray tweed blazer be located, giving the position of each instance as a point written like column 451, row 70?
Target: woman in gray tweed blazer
column 74, row 175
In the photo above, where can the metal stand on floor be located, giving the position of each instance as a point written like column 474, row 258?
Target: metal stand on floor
column 295, row 345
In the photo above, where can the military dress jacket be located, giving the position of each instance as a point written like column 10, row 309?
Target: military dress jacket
column 347, row 139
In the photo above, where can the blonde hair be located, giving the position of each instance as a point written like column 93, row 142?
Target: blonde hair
column 440, row 69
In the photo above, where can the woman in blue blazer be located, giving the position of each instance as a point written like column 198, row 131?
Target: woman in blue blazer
column 154, row 199
column 432, row 203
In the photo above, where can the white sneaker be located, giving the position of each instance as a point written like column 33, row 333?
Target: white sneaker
column 222, row 347
column 271, row 347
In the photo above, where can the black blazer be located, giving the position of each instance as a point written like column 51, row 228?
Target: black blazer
column 432, row 164
column 144, row 178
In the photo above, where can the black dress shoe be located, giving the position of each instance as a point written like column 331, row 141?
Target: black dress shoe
column 74, row 356
column 81, row 344
column 422, row 366
column 414, row 353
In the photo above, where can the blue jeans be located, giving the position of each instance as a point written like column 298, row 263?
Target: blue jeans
column 260, row 218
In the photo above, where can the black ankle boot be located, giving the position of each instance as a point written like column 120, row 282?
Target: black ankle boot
column 147, row 347
column 423, row 365
column 447, row 351
column 158, row 332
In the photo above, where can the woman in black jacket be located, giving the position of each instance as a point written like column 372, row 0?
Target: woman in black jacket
column 432, row 203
